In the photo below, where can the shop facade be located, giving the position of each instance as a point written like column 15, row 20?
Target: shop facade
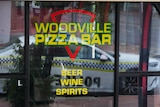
column 79, row 53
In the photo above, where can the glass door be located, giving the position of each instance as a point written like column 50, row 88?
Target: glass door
column 12, row 65
column 73, row 57
column 139, row 48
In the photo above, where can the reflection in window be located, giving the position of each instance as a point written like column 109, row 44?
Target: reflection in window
column 11, row 30
column 155, row 34
column 130, row 27
column 85, row 52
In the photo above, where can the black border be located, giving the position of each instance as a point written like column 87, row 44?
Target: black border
column 116, row 62
column 26, row 54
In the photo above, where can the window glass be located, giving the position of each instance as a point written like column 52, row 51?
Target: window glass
column 155, row 37
column 130, row 36
column 133, row 94
column 130, row 28
column 85, row 52
column 12, row 92
column 11, row 36
column 130, row 44
column 80, row 40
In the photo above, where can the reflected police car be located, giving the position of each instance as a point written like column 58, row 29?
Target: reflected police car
column 97, row 66
column 98, row 70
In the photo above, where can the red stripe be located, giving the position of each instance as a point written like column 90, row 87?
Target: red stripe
column 93, row 16
column 146, row 26
column 145, row 44
column 144, row 66
column 144, row 82
column 144, row 79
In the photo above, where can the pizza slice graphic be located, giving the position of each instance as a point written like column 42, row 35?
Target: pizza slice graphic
column 61, row 12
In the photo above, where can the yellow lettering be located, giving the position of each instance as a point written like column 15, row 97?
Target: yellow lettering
column 79, row 91
column 87, row 28
column 46, row 39
column 53, row 28
column 66, row 82
column 62, row 39
column 91, row 28
column 72, row 28
column 81, row 29
column 58, row 91
column 106, row 38
column 52, row 39
column 39, row 38
column 107, row 27
column 79, row 72
column 73, row 40
column 98, row 28
column 63, row 72
column 80, row 81
column 42, row 28
column 84, row 91
column 96, row 40
column 71, row 72
column 64, row 91
column 85, row 39
column 72, row 91
column 63, row 27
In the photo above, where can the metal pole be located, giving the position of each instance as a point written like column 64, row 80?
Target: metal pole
column 116, row 73
column 144, row 54
column 26, row 55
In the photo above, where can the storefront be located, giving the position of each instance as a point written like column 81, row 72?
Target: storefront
column 79, row 54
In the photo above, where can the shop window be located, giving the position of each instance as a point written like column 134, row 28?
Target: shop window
column 12, row 36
